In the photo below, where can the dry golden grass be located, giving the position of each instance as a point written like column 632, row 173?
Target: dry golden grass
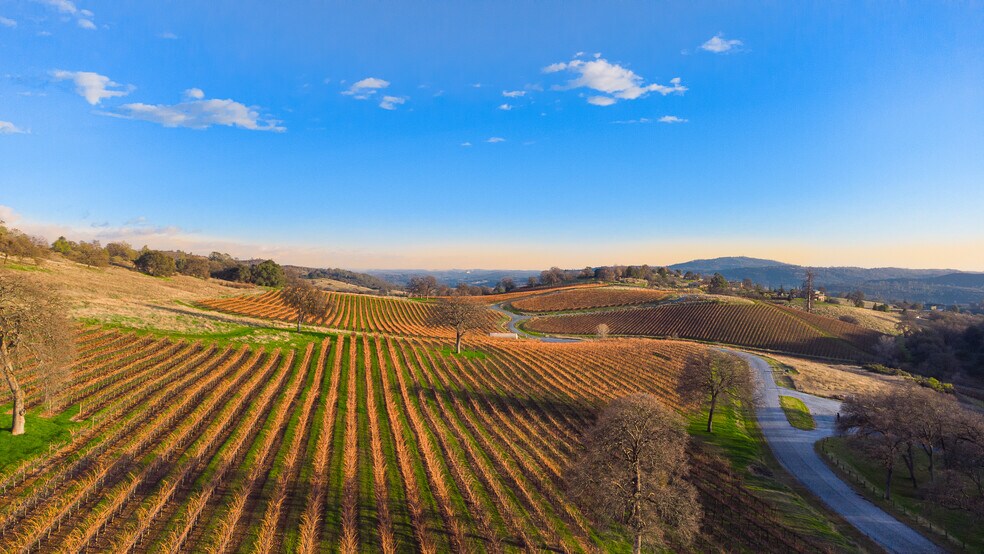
column 833, row 380
column 127, row 297
column 883, row 322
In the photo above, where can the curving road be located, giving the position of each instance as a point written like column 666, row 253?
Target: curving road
column 794, row 450
column 515, row 318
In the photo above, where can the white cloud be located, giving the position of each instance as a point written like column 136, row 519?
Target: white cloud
column 555, row 67
column 633, row 121
column 168, row 35
column 64, row 6
column 83, row 18
column 361, row 90
column 7, row 22
column 494, row 140
column 391, row 102
column 197, row 113
column 466, row 143
column 513, row 93
column 505, row 107
column 92, row 86
column 8, row 128
column 672, row 119
column 601, row 100
column 615, row 81
column 476, row 85
column 719, row 45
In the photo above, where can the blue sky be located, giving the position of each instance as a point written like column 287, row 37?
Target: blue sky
column 376, row 134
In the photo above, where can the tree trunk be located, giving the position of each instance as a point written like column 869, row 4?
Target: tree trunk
column 299, row 319
column 888, row 483
column 710, row 414
column 17, row 415
column 457, row 343
column 636, row 505
column 931, row 452
column 910, row 464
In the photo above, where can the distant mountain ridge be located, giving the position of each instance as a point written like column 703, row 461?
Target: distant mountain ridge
column 943, row 286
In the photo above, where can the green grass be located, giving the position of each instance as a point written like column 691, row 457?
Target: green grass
column 737, row 437
column 781, row 373
column 40, row 433
column 906, row 500
column 469, row 354
column 797, row 413
column 268, row 338
column 24, row 267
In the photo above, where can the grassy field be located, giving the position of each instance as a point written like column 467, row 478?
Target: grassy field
column 797, row 413
column 907, row 503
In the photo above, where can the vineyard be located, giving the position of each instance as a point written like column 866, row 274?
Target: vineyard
column 756, row 325
column 356, row 443
column 587, row 298
column 351, row 312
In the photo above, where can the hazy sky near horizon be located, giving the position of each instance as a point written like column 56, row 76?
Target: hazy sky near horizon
column 500, row 134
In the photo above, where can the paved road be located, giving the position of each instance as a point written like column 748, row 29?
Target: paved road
column 794, row 450
column 516, row 318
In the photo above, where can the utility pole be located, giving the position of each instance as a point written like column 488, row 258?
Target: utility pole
column 809, row 290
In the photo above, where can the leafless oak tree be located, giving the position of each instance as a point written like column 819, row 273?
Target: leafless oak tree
column 35, row 335
column 633, row 469
column 459, row 314
column 602, row 330
column 712, row 376
column 306, row 299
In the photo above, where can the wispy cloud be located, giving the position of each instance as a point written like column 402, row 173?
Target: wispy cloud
column 643, row 120
column 168, row 35
column 64, row 6
column 365, row 88
column 505, row 107
column 494, row 140
column 391, row 102
column 93, row 86
column 614, row 81
column 513, row 93
column 466, row 144
column 83, row 18
column 196, row 112
column 720, row 45
column 8, row 128
column 7, row 22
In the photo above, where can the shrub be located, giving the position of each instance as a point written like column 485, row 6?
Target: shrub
column 158, row 264
column 849, row 319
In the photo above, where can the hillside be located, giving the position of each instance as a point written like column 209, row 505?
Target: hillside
column 751, row 324
column 118, row 295
column 351, row 312
column 944, row 286
column 588, row 298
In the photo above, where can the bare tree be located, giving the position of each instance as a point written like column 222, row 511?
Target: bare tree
column 633, row 470
column 872, row 418
column 808, row 289
column 711, row 376
column 422, row 285
column 459, row 314
column 602, row 330
column 34, row 330
column 306, row 299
